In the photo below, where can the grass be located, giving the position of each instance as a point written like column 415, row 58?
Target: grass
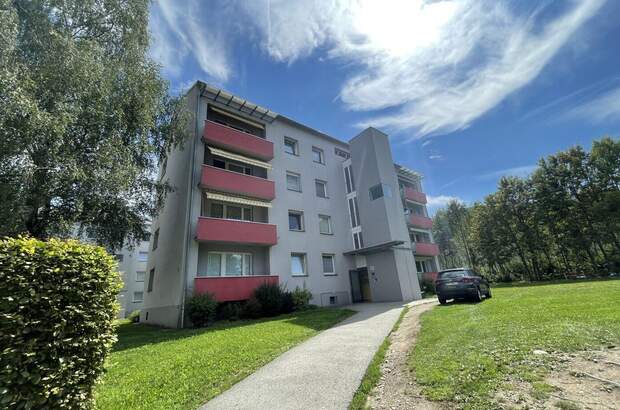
column 466, row 351
column 155, row 368
column 373, row 372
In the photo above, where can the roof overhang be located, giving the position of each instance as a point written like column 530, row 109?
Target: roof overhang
column 408, row 173
column 374, row 248
column 232, row 102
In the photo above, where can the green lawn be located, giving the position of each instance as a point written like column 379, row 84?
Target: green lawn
column 154, row 368
column 466, row 351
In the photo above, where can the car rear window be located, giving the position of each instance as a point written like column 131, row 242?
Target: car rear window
column 452, row 274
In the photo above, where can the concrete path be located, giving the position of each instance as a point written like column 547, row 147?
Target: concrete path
column 323, row 372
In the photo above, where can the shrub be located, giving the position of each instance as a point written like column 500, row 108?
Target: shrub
column 288, row 304
column 57, row 312
column 201, row 309
column 134, row 316
column 228, row 311
column 252, row 309
column 270, row 297
column 301, row 298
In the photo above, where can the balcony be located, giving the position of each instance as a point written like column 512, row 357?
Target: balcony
column 413, row 195
column 426, row 249
column 236, row 232
column 233, row 182
column 232, row 288
column 420, row 221
column 238, row 141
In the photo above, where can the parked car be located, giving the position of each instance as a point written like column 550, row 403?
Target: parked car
column 461, row 283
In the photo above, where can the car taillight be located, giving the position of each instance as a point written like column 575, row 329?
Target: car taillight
column 468, row 280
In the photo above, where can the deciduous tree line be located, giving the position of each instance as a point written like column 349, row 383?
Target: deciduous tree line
column 561, row 221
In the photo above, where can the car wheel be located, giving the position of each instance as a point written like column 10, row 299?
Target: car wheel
column 442, row 300
column 478, row 296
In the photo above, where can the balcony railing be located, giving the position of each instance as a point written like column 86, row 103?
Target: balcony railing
column 420, row 221
column 231, row 288
column 233, row 182
column 238, row 141
column 426, row 249
column 234, row 231
column 413, row 195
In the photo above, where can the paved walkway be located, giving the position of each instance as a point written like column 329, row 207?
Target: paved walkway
column 323, row 372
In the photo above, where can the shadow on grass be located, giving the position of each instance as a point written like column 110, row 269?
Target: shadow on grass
column 550, row 282
column 134, row 335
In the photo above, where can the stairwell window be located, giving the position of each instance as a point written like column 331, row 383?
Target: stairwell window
column 151, row 279
column 354, row 212
column 156, row 239
column 348, row 178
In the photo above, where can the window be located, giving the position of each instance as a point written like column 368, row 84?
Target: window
column 354, row 212
column 232, row 166
column 380, row 190
column 325, row 224
column 318, row 156
column 140, row 275
column 156, row 239
column 228, row 264
column 293, row 182
column 295, row 221
column 321, row 188
column 151, row 279
column 138, row 297
column 234, row 212
column 291, row 146
column 298, row 264
column 348, row 178
column 328, row 264
column 143, row 256
column 358, row 241
column 218, row 210
column 333, row 300
column 119, row 257
column 341, row 153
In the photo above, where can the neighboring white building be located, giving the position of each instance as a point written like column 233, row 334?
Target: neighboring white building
column 132, row 267
column 261, row 198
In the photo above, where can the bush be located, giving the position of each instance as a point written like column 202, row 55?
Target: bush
column 270, row 297
column 201, row 309
column 57, row 312
column 134, row 316
column 301, row 298
column 288, row 304
column 252, row 309
column 228, row 311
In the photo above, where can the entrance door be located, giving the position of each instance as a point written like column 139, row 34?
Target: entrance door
column 360, row 285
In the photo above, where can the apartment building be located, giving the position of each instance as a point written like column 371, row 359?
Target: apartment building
column 262, row 198
column 132, row 268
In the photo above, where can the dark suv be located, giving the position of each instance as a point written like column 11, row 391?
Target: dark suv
column 461, row 284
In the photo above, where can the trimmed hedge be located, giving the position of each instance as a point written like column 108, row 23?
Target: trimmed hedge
column 57, row 312
column 202, row 309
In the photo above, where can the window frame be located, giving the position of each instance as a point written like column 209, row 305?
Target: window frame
column 324, row 184
column 295, row 144
column 245, row 209
column 304, row 264
column 329, row 224
column 321, row 152
column 296, row 175
column 300, row 214
column 140, row 253
column 133, row 298
column 333, row 261
column 354, row 214
column 386, row 191
column 143, row 272
column 155, row 239
column 149, row 287
column 247, row 265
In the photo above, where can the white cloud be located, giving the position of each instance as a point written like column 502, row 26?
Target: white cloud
column 441, row 200
column 522, row 172
column 605, row 107
column 435, row 156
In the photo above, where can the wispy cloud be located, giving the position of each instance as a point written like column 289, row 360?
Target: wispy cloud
column 605, row 107
column 522, row 171
column 434, row 203
column 435, row 156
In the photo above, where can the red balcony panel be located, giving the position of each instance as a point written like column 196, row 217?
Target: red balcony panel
column 235, row 288
column 238, row 141
column 421, row 221
column 227, row 181
column 239, row 232
column 426, row 249
column 413, row 195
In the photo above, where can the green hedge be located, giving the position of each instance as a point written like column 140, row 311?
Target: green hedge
column 57, row 309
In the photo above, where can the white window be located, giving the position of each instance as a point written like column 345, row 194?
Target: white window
column 358, row 241
column 232, row 166
column 138, row 297
column 143, row 256
column 238, row 212
column 228, row 264
column 291, row 146
column 342, row 153
column 156, row 239
column 348, row 178
column 140, row 275
column 318, row 155
column 354, row 212
column 321, row 188
column 293, row 181
column 295, row 220
column 328, row 264
column 298, row 264
column 325, row 224
column 379, row 191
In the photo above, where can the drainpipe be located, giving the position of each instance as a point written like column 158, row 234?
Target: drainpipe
column 188, row 211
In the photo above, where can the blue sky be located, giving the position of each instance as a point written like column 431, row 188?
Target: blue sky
column 468, row 90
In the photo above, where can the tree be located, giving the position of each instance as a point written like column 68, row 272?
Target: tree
column 84, row 119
